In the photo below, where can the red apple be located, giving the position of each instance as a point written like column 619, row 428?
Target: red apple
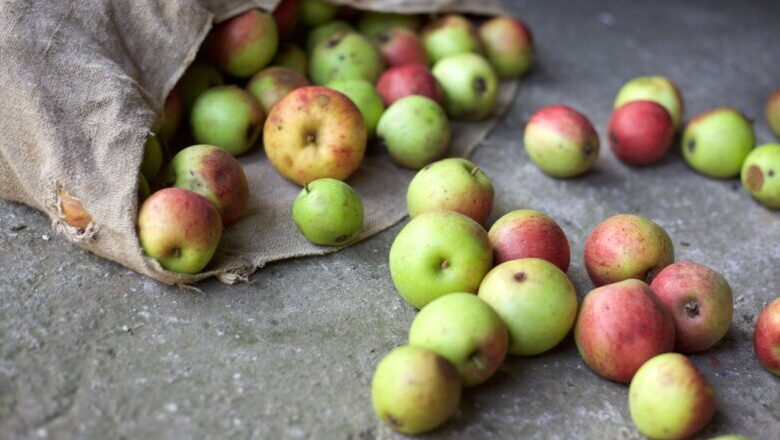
column 244, row 44
column 399, row 82
column 527, row 233
column 400, row 46
column 700, row 302
column 286, row 16
column 766, row 338
column 620, row 327
column 641, row 132
column 508, row 45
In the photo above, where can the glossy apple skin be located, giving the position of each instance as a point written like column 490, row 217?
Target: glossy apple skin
column 270, row 85
column 766, row 337
column 669, row 398
column 213, row 173
column 228, row 117
column 772, row 112
column 415, row 131
column 526, row 233
column 627, row 246
column 717, row 142
column 399, row 82
column 328, row 212
column 508, row 45
column 244, row 44
column 700, row 302
column 286, row 17
column 640, row 133
column 315, row 132
column 469, row 85
column 656, row 88
column 400, row 47
column 450, row 35
column 180, row 229
column 561, row 141
column 620, row 326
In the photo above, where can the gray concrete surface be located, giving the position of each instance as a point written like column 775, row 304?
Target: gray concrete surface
column 89, row 349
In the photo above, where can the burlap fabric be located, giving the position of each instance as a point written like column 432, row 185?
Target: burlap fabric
column 82, row 83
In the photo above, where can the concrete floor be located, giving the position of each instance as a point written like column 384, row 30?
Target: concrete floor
column 89, row 349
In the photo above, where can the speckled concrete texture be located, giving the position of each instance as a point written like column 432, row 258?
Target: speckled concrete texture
column 89, row 349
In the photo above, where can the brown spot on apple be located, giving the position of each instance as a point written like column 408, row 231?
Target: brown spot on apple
column 520, row 277
column 755, row 178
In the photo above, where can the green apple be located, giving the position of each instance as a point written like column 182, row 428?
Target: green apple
column 292, row 57
column 198, row 78
column 761, row 175
column 372, row 23
column 365, row 97
column 328, row 212
column 325, row 31
column 415, row 390
column 270, row 85
column 345, row 55
column 535, row 299
column 415, row 131
column 716, row 143
column 659, row 89
column 452, row 184
column 244, row 44
column 228, row 117
column 437, row 253
column 153, row 158
column 316, row 12
column 465, row 330
column 669, row 398
column 470, row 86
column 450, row 35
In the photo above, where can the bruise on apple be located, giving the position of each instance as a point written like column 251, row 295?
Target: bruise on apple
column 755, row 178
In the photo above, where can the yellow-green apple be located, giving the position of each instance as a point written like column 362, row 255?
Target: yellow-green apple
column 286, row 17
column 173, row 112
column 561, row 141
column 536, row 300
column 400, row 47
column 365, row 97
column 228, row 117
column 372, row 23
column 465, row 330
column 153, row 157
column 244, row 44
column 620, row 326
column 313, row 13
column 180, row 229
column 653, row 88
column 526, row 233
column 716, row 143
column 470, row 86
column 315, row 132
column 270, row 85
column 766, row 337
column 640, row 132
column 669, row 398
column 399, row 82
column 72, row 211
column 437, row 253
column 198, row 78
column 508, row 45
column 450, row 35
column 627, row 246
column 700, row 302
column 345, row 55
column 772, row 112
column 325, row 31
column 292, row 57
column 415, row 131
column 761, row 175
column 213, row 173
column 414, row 390
column 452, row 184
column 328, row 212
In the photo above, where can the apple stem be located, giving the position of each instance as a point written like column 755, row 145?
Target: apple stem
column 306, row 187
column 474, row 171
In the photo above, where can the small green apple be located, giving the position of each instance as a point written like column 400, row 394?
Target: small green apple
column 470, row 86
column 291, row 57
column 761, row 175
column 228, row 117
column 716, row 143
column 325, row 31
column 316, row 12
column 198, row 78
column 415, row 131
column 372, row 23
column 659, row 89
column 328, row 212
column 153, row 157
column 450, row 35
column 345, row 55
column 365, row 97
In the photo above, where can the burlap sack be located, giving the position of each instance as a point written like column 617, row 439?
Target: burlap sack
column 82, row 83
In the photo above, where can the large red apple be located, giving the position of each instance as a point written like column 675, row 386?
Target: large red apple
column 399, row 82
column 641, row 132
column 766, row 338
column 526, row 233
column 400, row 46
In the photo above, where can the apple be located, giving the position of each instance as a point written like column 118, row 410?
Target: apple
column 71, row 211
column 292, row 57
column 761, row 175
column 716, row 143
column 415, row 390
column 286, row 17
column 228, row 117
column 373, row 23
column 437, row 253
column 640, row 133
column 730, row 437
column 143, row 189
column 450, row 35
column 244, row 44
column 669, row 398
column 401, row 47
column 315, row 132
column 508, row 45
column 180, row 229
column 153, row 157
column 399, row 82
column 270, row 85
column 470, row 86
column 536, row 300
column 213, row 173
column 466, row 331
column 653, row 88
column 365, row 97
column 766, row 337
column 328, row 212
column 415, row 131
column 313, row 13
column 700, row 302
column 345, row 55
column 627, row 246
column 526, row 233
column 325, row 31
column 561, row 141
column 772, row 112
column 620, row 326
column 198, row 78
column 173, row 111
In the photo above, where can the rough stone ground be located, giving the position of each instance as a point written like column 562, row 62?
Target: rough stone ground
column 89, row 349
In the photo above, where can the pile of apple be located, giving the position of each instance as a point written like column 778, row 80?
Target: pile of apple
column 484, row 295
column 367, row 76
